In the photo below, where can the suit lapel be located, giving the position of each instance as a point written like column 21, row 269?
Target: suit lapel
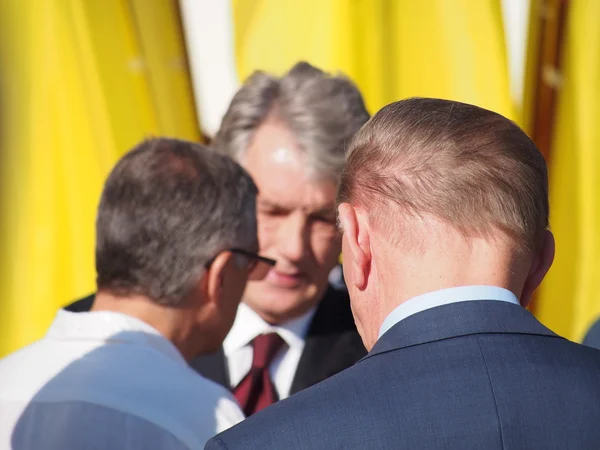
column 314, row 365
column 213, row 366
column 332, row 343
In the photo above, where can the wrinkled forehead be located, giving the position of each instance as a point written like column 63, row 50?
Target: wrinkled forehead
column 289, row 190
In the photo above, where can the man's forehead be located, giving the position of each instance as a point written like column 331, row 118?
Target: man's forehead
column 282, row 173
column 286, row 155
column 266, row 154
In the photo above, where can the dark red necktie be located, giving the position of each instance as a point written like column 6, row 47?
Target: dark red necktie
column 256, row 390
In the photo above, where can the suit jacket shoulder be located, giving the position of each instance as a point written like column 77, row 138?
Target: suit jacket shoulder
column 81, row 305
column 469, row 375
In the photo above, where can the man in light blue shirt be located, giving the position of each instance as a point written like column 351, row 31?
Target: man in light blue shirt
column 444, row 212
column 176, row 243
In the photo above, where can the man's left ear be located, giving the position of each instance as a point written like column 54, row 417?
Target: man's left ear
column 540, row 265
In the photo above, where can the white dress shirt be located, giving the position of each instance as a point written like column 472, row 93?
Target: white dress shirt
column 445, row 297
column 107, row 380
column 239, row 352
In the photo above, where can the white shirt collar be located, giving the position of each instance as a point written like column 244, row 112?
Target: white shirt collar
column 110, row 326
column 445, row 297
column 248, row 324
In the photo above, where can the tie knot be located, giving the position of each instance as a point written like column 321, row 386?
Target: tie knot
column 266, row 347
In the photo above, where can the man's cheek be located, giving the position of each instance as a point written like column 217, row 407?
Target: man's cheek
column 266, row 233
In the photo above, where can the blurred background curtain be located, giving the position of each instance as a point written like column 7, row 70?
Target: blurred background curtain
column 393, row 49
column 82, row 82
column 569, row 300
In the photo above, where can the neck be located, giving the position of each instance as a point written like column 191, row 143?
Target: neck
column 175, row 324
column 478, row 263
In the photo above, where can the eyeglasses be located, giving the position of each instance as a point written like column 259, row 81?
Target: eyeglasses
column 258, row 266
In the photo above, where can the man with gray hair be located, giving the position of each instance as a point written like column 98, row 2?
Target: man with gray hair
column 444, row 211
column 176, row 243
column 292, row 329
column 290, row 134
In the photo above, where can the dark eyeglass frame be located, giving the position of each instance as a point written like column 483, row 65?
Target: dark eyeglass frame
column 255, row 257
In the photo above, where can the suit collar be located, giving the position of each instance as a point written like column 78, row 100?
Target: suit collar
column 459, row 319
column 248, row 324
column 445, row 297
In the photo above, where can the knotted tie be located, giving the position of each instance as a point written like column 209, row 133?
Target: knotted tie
column 256, row 390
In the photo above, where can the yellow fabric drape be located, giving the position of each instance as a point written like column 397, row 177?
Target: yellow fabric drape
column 533, row 55
column 569, row 299
column 83, row 81
column 392, row 48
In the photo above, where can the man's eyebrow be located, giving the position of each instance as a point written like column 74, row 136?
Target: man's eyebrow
column 269, row 203
column 325, row 211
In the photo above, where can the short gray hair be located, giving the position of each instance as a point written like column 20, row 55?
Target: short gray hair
column 322, row 111
column 168, row 207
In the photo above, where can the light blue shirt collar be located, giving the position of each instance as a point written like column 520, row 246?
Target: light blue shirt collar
column 445, row 297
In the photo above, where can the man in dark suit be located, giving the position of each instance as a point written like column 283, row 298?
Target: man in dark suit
column 293, row 329
column 444, row 211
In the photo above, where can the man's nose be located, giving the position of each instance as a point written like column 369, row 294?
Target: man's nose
column 293, row 237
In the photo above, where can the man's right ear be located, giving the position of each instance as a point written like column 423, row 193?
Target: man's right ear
column 215, row 275
column 540, row 265
column 356, row 238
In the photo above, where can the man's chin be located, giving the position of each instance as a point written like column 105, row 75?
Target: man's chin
column 285, row 282
column 272, row 292
column 277, row 305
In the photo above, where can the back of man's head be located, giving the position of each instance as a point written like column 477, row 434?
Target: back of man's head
column 466, row 165
column 167, row 209
column 457, row 192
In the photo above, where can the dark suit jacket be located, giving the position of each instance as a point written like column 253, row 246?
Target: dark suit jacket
column 470, row 375
column 332, row 344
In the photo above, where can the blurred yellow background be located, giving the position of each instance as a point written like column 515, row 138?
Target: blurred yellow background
column 84, row 80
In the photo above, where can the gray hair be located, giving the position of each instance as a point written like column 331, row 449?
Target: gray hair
column 322, row 111
column 169, row 207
